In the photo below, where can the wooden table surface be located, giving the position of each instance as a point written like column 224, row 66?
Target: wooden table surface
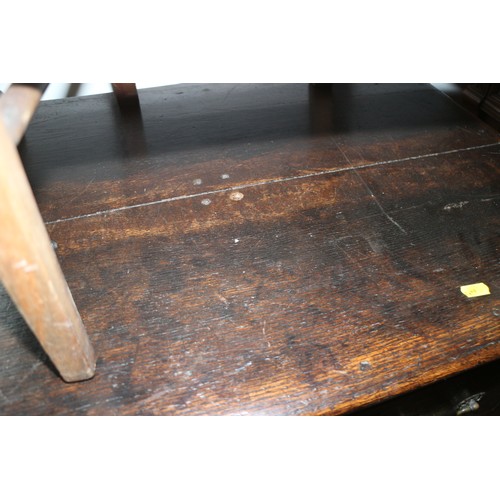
column 273, row 249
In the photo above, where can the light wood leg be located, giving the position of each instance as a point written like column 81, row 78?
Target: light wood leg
column 17, row 107
column 31, row 274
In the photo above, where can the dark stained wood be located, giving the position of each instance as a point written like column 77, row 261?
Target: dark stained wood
column 473, row 392
column 484, row 98
column 126, row 95
column 331, row 284
column 190, row 136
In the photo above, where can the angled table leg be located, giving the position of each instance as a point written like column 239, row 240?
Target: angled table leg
column 17, row 107
column 31, row 274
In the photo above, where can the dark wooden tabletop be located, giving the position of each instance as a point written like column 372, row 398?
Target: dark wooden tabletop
column 274, row 249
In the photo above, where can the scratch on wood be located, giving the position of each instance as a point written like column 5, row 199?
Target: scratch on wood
column 264, row 333
column 155, row 396
column 83, row 191
column 4, row 397
column 342, row 372
column 222, row 299
column 379, row 205
column 27, row 374
column 244, row 367
column 229, row 93
column 266, row 182
column 342, row 151
column 335, row 241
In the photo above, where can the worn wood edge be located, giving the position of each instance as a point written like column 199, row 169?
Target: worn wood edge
column 409, row 385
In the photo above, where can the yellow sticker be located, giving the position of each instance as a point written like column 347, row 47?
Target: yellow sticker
column 475, row 290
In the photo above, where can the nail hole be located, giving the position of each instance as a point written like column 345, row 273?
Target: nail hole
column 365, row 365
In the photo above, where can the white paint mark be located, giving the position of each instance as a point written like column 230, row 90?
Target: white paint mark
column 64, row 324
column 264, row 333
column 451, row 206
column 206, row 201
column 222, row 299
column 236, row 240
column 244, row 367
column 225, row 176
column 25, row 266
column 197, row 182
column 342, row 372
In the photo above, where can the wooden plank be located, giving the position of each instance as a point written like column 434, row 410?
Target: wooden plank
column 83, row 155
column 312, row 295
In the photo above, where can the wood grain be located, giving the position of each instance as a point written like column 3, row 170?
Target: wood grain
column 319, row 276
column 192, row 139
column 30, row 272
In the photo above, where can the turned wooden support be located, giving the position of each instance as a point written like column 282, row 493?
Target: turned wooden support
column 29, row 268
column 126, row 95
